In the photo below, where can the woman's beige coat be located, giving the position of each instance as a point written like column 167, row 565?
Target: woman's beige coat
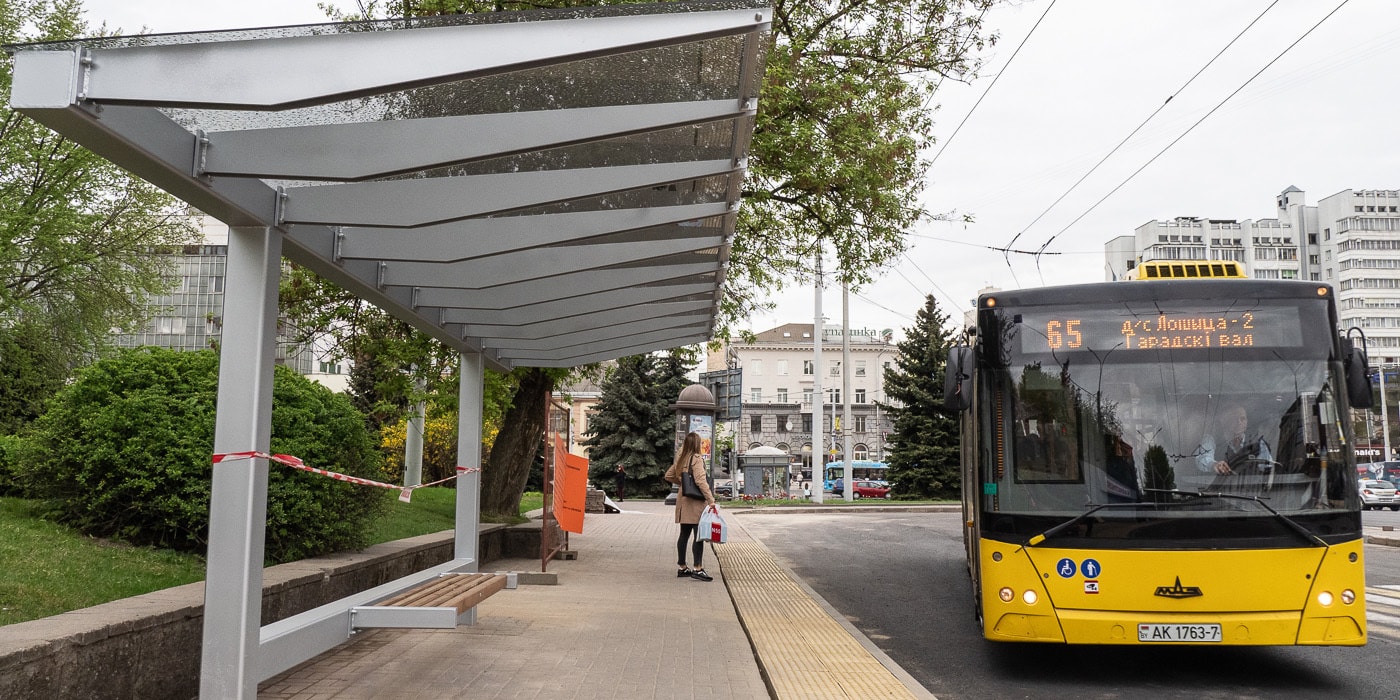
column 688, row 510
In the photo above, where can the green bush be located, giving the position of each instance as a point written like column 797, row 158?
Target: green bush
column 10, row 447
column 125, row 452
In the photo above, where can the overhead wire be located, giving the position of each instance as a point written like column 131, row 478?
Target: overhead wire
column 928, row 277
column 1139, row 127
column 991, row 85
column 1183, row 135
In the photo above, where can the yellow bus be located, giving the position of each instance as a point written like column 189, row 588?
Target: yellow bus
column 1159, row 463
column 1186, row 269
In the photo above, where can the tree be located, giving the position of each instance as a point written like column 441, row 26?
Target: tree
column 623, row 427
column 506, row 469
column 77, row 232
column 925, row 457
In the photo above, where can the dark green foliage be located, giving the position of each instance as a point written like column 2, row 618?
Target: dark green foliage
column 634, row 424
column 924, row 459
column 11, row 446
column 125, row 450
column 31, row 370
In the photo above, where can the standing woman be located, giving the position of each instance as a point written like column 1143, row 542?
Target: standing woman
column 689, row 510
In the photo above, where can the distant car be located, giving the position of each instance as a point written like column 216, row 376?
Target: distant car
column 869, row 489
column 1377, row 494
column 724, row 489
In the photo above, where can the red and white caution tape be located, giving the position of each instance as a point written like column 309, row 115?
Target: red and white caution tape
column 405, row 492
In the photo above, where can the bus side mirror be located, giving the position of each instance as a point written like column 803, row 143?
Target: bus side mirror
column 1358, row 374
column 957, row 378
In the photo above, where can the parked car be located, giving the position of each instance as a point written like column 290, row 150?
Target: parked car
column 724, row 489
column 1377, row 494
column 869, row 489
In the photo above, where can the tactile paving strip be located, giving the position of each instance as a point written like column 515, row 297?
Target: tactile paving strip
column 802, row 651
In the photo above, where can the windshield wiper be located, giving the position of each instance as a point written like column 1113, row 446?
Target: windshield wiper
column 1292, row 524
column 1037, row 539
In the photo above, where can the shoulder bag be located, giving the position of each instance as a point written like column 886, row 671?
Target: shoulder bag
column 688, row 487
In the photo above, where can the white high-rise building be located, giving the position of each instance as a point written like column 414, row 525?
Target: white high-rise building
column 1360, row 247
column 1350, row 240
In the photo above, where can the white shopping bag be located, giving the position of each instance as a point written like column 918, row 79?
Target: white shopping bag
column 713, row 527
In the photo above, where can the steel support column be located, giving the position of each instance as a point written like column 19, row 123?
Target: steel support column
column 470, row 396
column 238, row 504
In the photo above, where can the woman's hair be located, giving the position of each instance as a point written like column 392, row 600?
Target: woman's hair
column 689, row 449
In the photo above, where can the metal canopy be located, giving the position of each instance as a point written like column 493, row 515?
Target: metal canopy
column 543, row 188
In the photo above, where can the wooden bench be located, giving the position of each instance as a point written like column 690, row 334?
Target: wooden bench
column 434, row 604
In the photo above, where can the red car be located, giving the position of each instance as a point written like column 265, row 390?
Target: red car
column 869, row 489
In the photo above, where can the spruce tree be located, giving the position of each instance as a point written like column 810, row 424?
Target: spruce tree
column 924, row 460
column 671, row 377
column 623, row 430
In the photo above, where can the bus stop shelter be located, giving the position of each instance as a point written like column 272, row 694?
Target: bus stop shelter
column 542, row 189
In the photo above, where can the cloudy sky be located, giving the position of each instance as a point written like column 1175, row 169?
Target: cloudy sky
column 1322, row 118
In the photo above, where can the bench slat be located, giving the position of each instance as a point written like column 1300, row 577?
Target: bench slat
column 460, row 591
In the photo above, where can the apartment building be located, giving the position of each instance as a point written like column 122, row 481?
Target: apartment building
column 778, row 375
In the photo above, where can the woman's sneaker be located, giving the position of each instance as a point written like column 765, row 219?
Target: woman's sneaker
column 699, row 574
column 682, row 573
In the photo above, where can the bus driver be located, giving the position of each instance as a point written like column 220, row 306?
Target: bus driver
column 1229, row 448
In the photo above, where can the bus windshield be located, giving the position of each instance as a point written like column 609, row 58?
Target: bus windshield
column 1162, row 406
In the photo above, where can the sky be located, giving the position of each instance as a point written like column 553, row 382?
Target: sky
column 1056, row 100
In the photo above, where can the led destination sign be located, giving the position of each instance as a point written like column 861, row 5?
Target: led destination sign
column 1105, row 329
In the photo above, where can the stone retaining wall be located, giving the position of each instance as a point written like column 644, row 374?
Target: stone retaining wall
column 148, row 646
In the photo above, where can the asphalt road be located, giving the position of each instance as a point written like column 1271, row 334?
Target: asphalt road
column 901, row 579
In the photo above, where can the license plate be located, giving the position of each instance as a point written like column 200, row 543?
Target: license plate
column 1178, row 633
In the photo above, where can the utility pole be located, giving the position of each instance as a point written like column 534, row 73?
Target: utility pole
column 818, row 461
column 846, row 431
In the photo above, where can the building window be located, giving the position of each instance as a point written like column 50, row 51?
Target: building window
column 755, row 424
column 806, row 397
column 860, row 396
column 807, row 423
column 756, row 368
column 782, row 367
column 835, row 368
column 755, row 395
column 807, row 368
column 834, row 395
column 859, row 423
column 860, row 368
column 860, row 452
column 784, row 423
column 782, row 396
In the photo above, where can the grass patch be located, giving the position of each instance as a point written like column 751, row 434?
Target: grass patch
column 49, row 568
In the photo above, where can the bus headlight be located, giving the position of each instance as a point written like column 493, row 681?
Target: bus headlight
column 1348, row 596
column 1324, row 599
column 1006, row 594
column 1029, row 597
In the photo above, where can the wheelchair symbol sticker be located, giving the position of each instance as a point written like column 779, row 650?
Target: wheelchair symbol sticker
column 1090, row 568
column 1066, row 567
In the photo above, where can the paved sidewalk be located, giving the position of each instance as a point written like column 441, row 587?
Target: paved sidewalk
column 620, row 624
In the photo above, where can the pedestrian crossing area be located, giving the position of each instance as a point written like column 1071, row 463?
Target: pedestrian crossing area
column 1383, row 612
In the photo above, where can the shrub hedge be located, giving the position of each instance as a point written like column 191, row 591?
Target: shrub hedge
column 125, row 452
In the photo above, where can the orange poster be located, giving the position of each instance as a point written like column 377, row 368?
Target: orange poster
column 570, row 488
